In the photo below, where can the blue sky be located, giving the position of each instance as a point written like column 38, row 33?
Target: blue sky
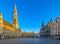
column 30, row 12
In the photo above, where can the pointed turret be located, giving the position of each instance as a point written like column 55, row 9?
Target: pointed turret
column 50, row 23
column 15, row 18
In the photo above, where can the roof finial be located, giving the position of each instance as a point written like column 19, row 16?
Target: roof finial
column 15, row 6
column 42, row 23
column 51, row 20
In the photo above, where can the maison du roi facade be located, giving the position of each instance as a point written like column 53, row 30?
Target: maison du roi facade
column 8, row 30
column 51, row 30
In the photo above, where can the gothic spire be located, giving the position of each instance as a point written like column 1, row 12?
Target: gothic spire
column 1, row 21
column 15, row 19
